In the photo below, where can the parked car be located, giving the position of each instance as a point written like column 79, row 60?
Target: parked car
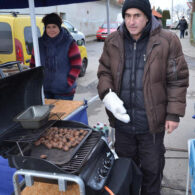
column 84, row 58
column 16, row 37
column 77, row 35
column 102, row 32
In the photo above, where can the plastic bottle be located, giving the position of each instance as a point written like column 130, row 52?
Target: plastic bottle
column 103, row 128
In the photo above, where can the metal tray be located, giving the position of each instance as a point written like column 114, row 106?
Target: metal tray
column 34, row 117
column 57, row 156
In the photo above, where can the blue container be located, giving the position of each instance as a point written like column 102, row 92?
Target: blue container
column 192, row 166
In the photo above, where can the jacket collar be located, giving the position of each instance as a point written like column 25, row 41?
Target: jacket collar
column 156, row 26
column 153, row 39
column 154, row 35
column 61, row 37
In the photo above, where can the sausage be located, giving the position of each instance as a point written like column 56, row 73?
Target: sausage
column 43, row 156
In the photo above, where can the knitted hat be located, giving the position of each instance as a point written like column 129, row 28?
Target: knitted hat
column 52, row 18
column 143, row 5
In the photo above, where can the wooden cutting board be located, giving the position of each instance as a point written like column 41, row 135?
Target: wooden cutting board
column 63, row 107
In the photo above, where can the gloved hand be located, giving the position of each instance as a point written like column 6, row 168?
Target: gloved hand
column 115, row 105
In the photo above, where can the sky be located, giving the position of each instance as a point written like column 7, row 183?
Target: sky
column 166, row 4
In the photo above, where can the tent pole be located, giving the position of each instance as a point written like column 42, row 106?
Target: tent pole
column 35, row 39
column 108, row 15
column 34, row 32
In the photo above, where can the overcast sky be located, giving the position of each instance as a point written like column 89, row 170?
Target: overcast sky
column 166, row 4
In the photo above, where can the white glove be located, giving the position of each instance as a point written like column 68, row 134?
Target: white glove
column 115, row 105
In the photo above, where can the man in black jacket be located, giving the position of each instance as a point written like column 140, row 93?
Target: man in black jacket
column 183, row 25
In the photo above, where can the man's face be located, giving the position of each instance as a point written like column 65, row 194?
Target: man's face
column 135, row 21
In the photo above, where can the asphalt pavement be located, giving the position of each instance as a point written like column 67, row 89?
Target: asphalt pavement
column 175, row 172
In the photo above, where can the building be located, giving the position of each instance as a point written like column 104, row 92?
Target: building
column 86, row 17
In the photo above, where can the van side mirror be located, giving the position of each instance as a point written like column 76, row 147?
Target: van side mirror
column 75, row 30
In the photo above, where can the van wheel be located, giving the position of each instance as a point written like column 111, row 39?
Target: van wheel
column 84, row 67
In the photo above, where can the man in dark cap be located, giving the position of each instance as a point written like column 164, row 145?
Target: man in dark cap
column 143, row 79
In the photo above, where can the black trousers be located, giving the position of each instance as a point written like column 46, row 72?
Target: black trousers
column 147, row 151
column 182, row 33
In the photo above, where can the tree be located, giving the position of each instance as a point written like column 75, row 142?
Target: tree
column 165, row 16
column 179, row 11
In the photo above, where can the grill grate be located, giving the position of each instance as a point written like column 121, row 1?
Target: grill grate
column 19, row 134
column 74, row 165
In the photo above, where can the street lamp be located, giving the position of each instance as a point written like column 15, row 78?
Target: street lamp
column 172, row 13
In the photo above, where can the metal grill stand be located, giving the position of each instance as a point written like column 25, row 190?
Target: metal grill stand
column 61, row 178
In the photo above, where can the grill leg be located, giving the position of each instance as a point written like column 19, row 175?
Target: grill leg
column 62, row 185
column 16, row 184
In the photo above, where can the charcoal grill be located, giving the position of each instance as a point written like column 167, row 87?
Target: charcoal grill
column 91, row 161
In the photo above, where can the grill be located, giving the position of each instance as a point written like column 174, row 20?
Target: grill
column 78, row 158
column 91, row 159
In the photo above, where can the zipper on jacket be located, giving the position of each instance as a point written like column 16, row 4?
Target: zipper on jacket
column 144, row 57
column 134, row 58
column 154, row 138
column 133, row 76
column 119, row 72
column 135, row 46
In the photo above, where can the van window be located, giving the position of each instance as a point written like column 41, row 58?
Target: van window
column 6, row 45
column 69, row 26
column 28, row 38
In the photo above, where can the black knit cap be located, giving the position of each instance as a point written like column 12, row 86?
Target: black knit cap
column 52, row 18
column 143, row 5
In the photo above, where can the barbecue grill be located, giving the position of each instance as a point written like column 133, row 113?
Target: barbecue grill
column 91, row 159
